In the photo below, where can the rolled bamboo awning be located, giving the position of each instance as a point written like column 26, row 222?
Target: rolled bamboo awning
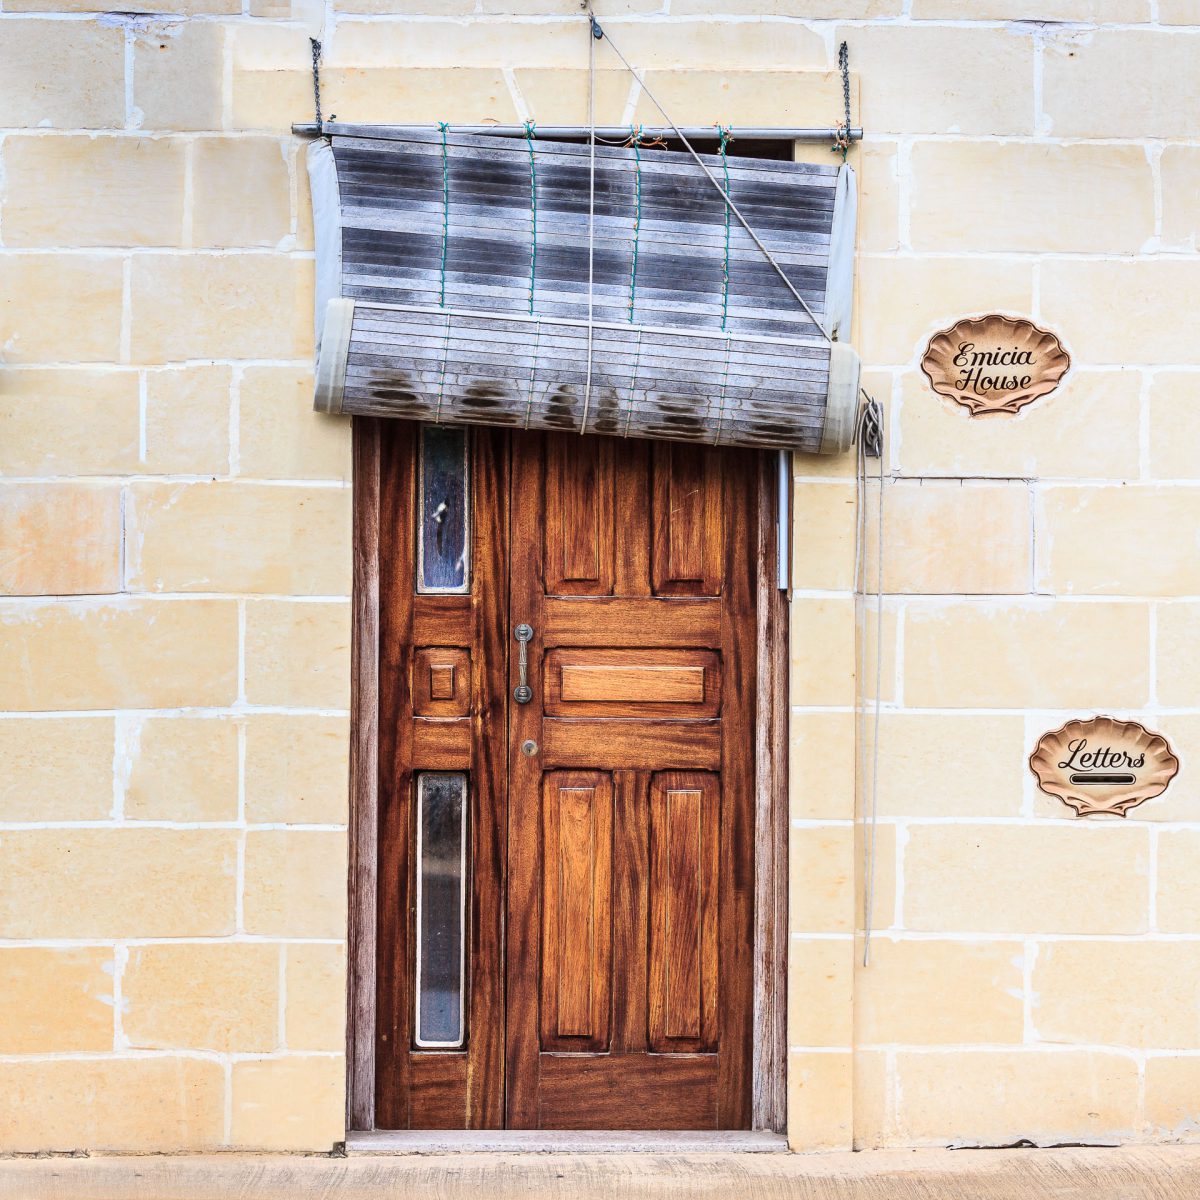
column 453, row 287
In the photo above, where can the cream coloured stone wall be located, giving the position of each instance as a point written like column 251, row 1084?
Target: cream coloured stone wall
column 174, row 554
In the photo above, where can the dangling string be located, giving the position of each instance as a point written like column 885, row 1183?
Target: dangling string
column 594, row 32
column 726, row 136
column 445, row 213
column 529, row 131
column 868, row 440
column 636, row 140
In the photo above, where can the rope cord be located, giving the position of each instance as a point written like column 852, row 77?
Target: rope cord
column 587, row 385
column 529, row 131
column 636, row 138
column 445, row 214
column 726, row 136
column 713, row 180
column 868, row 437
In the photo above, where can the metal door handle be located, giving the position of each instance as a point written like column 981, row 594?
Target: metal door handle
column 523, row 693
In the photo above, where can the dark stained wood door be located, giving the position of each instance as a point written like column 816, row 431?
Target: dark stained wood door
column 631, row 778
column 605, row 907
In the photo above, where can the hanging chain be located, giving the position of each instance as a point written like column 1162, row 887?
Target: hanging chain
column 316, row 68
column 841, row 141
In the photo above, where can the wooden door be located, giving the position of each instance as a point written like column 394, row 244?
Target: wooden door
column 587, row 960
column 631, row 777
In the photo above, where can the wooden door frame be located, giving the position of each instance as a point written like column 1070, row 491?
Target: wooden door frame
column 771, row 800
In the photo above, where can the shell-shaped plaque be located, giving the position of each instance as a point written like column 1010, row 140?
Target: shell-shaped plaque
column 994, row 364
column 1103, row 765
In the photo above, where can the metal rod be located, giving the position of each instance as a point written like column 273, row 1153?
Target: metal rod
column 783, row 524
column 824, row 133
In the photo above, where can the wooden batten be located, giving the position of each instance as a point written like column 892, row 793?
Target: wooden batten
column 462, row 289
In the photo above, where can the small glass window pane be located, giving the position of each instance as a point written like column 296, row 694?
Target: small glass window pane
column 441, row 907
column 444, row 534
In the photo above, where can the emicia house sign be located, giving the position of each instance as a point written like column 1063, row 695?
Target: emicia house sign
column 1103, row 765
column 994, row 364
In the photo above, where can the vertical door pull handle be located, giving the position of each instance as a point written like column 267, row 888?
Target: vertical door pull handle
column 523, row 693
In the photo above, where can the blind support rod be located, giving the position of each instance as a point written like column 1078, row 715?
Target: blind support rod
column 825, row 133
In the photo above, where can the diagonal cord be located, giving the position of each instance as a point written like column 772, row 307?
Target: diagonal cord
column 713, row 180
column 591, row 329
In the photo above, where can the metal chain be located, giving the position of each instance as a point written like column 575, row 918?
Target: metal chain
column 841, row 142
column 316, row 68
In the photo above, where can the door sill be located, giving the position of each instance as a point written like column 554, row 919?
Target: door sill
column 553, row 1141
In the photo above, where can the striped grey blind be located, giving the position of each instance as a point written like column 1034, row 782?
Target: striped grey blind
column 461, row 290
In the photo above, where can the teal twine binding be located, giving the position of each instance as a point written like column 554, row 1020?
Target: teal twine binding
column 725, row 135
column 529, row 131
column 636, row 136
column 445, row 213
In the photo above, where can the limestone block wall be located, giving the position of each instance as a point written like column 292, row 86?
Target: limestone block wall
column 175, row 554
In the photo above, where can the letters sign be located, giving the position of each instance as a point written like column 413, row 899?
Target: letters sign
column 994, row 364
column 1103, row 765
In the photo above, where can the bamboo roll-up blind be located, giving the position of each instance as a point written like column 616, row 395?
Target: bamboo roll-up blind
column 462, row 289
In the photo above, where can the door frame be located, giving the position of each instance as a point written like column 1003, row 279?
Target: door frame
column 768, row 1104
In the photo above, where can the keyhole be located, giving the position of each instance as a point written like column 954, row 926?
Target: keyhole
column 439, row 515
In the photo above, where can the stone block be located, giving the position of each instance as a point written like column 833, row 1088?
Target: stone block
column 241, row 192
column 289, row 1103
column 1123, row 300
column 187, row 420
column 85, row 91
column 60, row 308
column 238, row 537
column 983, row 1098
column 931, row 993
column 297, row 769
column 56, row 770
column 1096, row 83
column 118, row 654
column 221, row 306
column 198, row 996
column 1028, row 196
column 117, row 883
column 1026, row 879
column 68, row 422
column 56, row 1000
column 177, row 74
column 126, row 1104
column 298, row 655
column 1116, row 993
column 181, row 769
column 1088, row 428
column 954, row 538
column 1026, row 654
column 60, row 539
column 315, row 1012
column 1114, row 541
column 296, row 883
column 93, row 191
column 279, row 435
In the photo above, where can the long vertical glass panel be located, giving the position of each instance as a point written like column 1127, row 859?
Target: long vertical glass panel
column 444, row 534
column 441, row 907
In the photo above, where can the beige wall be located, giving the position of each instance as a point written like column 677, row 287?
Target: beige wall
column 174, row 555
